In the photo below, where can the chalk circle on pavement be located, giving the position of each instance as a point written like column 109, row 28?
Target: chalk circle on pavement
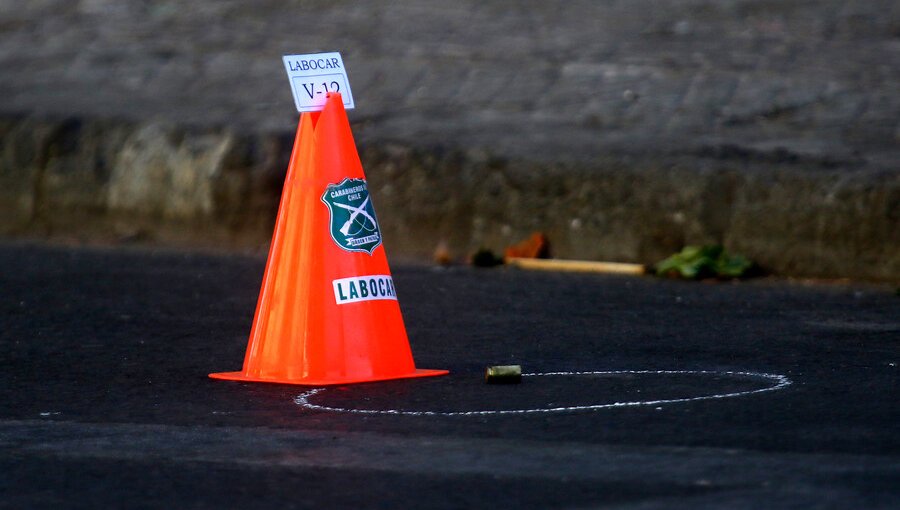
column 768, row 383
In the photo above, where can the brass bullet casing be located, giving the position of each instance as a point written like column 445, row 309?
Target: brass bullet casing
column 503, row 374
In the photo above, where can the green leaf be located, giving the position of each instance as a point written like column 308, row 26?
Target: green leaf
column 697, row 262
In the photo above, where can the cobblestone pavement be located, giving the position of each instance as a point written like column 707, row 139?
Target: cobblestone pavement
column 533, row 79
column 622, row 129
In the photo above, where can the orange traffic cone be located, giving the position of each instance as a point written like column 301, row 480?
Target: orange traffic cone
column 327, row 311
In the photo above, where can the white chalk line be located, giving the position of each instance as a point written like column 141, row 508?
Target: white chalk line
column 779, row 382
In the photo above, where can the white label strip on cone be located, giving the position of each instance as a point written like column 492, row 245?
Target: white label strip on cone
column 363, row 288
column 313, row 76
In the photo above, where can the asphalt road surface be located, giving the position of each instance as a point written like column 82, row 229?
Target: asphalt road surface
column 763, row 394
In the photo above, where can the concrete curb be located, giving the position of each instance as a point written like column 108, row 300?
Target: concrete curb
column 114, row 180
column 623, row 130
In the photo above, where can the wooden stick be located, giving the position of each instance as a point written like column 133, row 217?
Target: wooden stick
column 582, row 266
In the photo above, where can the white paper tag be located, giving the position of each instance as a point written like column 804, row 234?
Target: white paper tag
column 313, row 76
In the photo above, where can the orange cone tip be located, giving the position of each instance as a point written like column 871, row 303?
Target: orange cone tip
column 327, row 310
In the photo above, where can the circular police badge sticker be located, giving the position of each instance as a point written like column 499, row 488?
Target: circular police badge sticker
column 353, row 225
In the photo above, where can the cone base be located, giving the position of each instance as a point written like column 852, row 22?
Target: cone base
column 240, row 376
